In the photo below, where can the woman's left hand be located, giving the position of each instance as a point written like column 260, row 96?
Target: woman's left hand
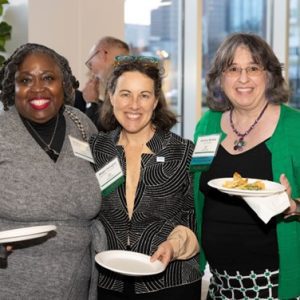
column 293, row 206
column 164, row 253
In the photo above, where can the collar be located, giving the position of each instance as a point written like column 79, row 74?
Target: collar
column 155, row 144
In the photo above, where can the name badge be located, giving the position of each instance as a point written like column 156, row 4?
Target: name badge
column 110, row 176
column 205, row 151
column 81, row 149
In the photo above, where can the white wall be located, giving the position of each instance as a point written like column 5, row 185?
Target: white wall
column 69, row 26
column 72, row 26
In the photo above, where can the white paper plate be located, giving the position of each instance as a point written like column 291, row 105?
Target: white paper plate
column 271, row 187
column 129, row 263
column 27, row 233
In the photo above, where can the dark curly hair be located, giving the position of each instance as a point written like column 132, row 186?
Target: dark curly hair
column 11, row 65
column 163, row 118
column 277, row 90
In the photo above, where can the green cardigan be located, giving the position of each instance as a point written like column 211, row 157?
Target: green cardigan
column 285, row 148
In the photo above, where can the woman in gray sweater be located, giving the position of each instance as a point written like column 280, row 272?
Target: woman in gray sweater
column 43, row 183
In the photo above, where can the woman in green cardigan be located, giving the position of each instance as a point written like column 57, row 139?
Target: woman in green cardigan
column 260, row 138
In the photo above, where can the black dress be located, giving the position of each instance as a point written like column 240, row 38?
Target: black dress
column 241, row 250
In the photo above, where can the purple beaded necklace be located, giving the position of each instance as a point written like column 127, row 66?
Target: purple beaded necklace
column 240, row 143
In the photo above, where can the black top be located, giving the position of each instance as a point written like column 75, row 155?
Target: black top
column 233, row 236
column 93, row 111
column 79, row 101
column 50, row 135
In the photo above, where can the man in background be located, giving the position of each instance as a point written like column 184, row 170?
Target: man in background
column 100, row 64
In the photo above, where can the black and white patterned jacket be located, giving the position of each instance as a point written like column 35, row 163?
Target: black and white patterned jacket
column 164, row 199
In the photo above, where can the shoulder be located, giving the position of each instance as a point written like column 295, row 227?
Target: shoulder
column 290, row 113
column 87, row 124
column 103, row 147
column 104, row 141
column 9, row 119
column 208, row 123
column 289, row 126
column 289, row 119
column 178, row 145
column 76, row 111
column 176, row 139
column 210, row 116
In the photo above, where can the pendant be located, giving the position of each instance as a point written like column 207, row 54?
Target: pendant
column 52, row 153
column 239, row 144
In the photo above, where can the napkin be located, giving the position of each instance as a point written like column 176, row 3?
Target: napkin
column 267, row 207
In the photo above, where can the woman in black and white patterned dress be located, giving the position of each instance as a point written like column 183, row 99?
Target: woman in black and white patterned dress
column 152, row 212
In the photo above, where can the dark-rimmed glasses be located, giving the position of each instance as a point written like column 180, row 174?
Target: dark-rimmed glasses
column 147, row 60
column 91, row 57
column 251, row 71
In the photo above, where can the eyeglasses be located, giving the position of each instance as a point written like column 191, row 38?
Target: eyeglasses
column 251, row 71
column 87, row 63
column 146, row 60
column 91, row 57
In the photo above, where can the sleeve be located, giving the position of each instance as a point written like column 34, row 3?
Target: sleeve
column 184, row 242
column 183, row 237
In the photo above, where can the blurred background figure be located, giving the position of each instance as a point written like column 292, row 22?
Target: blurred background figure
column 43, row 182
column 99, row 63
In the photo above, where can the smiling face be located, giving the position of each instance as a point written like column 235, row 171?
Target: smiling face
column 134, row 101
column 39, row 93
column 244, row 91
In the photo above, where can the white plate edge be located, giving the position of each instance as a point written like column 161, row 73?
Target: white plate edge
column 18, row 232
column 239, row 192
column 99, row 260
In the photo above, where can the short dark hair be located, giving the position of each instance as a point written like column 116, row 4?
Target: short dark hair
column 277, row 90
column 163, row 118
column 11, row 65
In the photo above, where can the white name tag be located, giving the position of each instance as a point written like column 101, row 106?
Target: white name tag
column 205, row 151
column 81, row 149
column 110, row 176
column 160, row 159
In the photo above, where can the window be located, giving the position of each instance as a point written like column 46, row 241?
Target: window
column 221, row 18
column 156, row 31
column 294, row 52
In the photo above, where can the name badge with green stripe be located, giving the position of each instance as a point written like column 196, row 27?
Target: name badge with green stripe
column 205, row 151
column 110, row 176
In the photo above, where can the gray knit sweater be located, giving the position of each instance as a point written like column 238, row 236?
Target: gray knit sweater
column 37, row 191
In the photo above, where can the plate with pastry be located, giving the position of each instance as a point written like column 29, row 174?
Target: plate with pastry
column 242, row 186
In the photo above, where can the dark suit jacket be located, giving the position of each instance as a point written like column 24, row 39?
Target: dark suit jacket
column 93, row 111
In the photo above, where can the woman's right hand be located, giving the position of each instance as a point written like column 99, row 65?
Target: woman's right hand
column 9, row 248
column 90, row 92
column 4, row 250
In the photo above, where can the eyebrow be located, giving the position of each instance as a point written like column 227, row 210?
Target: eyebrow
column 127, row 90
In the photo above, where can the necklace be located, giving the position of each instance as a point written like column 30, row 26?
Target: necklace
column 46, row 147
column 240, row 143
